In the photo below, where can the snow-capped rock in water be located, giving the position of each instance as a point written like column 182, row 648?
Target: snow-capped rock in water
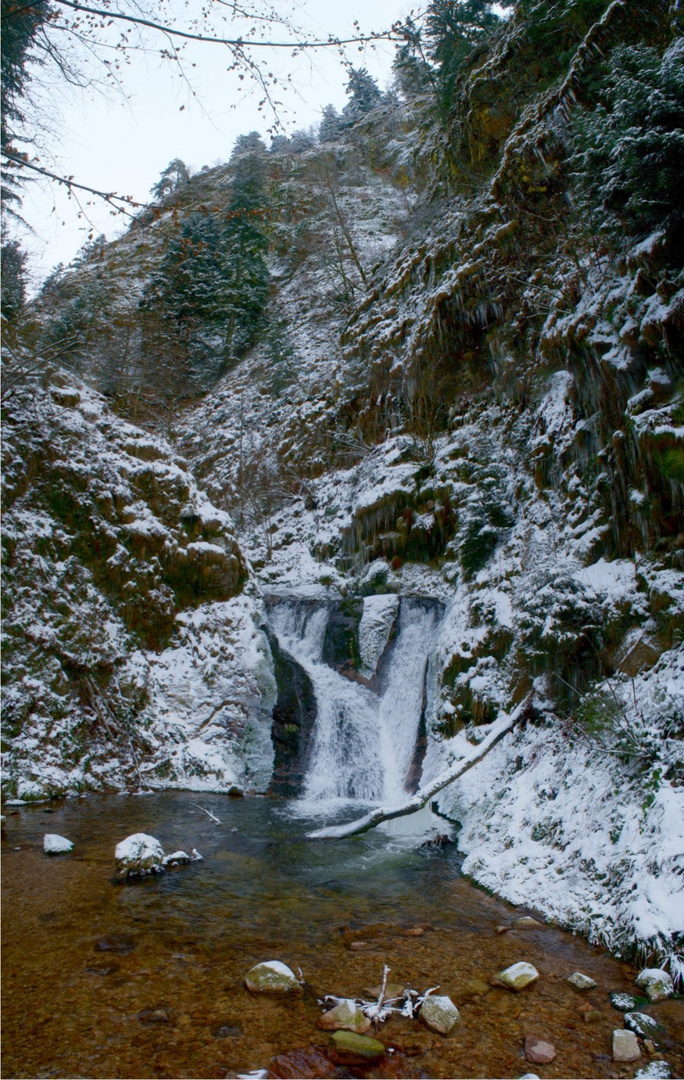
column 346, row 1015
column 272, row 977
column 138, row 854
column 53, row 844
column 655, row 983
column 518, row 975
column 439, row 1013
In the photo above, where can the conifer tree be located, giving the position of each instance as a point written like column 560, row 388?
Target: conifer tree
column 213, row 281
column 332, row 125
column 175, row 175
column 364, row 94
column 452, row 29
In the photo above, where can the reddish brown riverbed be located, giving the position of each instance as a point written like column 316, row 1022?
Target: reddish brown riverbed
column 146, row 979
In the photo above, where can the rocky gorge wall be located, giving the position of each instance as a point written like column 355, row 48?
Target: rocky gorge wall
column 491, row 417
column 132, row 644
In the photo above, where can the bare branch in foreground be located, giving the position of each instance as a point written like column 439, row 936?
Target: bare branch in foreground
column 418, row 801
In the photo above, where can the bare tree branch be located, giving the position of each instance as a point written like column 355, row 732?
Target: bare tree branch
column 240, row 42
column 418, row 801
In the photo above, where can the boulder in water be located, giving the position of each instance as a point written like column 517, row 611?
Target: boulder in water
column 345, row 1016
column 440, row 1014
column 539, row 1051
column 272, row 977
column 307, row 1063
column 137, row 855
column 581, row 982
column 625, row 1046
column 180, row 858
column 53, row 844
column 350, row 1048
column 622, row 1002
column 518, row 976
column 641, row 1024
column 655, row 983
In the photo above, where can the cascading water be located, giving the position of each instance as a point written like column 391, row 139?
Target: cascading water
column 364, row 737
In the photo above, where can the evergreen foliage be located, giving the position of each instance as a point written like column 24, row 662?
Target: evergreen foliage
column 412, row 73
column 364, row 95
column 21, row 24
column 332, row 125
column 629, row 156
column 452, row 29
column 13, row 280
column 175, row 175
column 212, row 282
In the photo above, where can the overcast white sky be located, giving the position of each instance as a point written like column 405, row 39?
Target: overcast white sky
column 122, row 145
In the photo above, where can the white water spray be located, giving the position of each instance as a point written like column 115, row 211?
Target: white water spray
column 363, row 741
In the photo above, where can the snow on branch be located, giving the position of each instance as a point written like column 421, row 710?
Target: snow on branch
column 417, row 801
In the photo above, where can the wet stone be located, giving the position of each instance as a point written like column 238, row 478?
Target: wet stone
column 439, row 1013
column 350, row 1048
column 625, row 1046
column 272, row 977
column 307, row 1063
column 473, row 988
column 346, row 1015
column 528, row 923
column 155, row 1014
column 518, row 976
column 539, row 1051
column 226, row 1030
column 116, row 943
column 592, row 1016
column 581, row 982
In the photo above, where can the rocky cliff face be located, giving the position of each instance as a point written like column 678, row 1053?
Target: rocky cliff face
column 468, row 386
column 132, row 648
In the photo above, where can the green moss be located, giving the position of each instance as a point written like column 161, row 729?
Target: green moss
column 671, row 464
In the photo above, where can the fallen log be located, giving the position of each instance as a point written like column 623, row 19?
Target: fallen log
column 416, row 802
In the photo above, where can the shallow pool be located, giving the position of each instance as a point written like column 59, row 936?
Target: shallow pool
column 146, row 979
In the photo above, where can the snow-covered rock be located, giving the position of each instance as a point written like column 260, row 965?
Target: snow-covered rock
column 346, row 1015
column 439, row 1013
column 641, row 1024
column 580, row 981
column 272, row 977
column 655, row 1070
column 138, row 854
column 375, row 627
column 53, row 844
column 656, row 983
column 518, row 976
column 180, row 858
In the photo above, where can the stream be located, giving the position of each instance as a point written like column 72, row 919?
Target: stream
column 146, row 979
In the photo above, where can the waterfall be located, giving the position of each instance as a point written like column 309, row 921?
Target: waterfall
column 364, row 737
